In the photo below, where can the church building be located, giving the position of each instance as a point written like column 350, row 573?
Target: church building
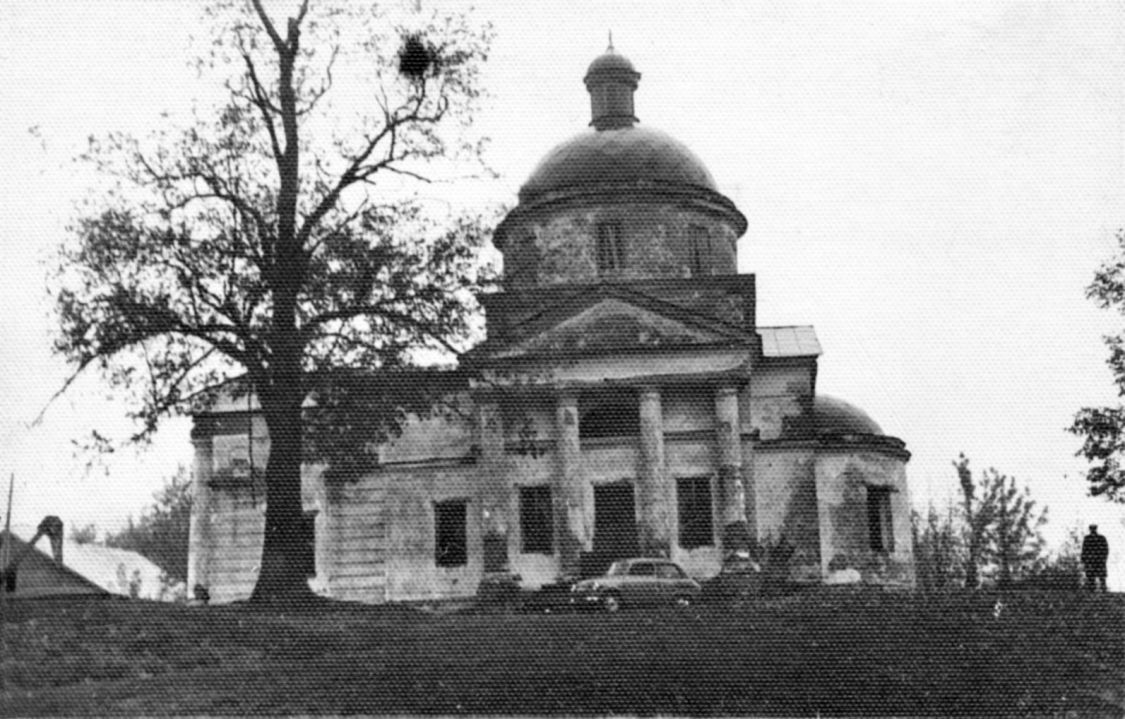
column 625, row 403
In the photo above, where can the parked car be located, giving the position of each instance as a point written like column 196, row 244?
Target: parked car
column 635, row 583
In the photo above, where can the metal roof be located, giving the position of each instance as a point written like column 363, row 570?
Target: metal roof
column 797, row 341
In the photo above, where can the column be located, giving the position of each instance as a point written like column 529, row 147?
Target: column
column 199, row 544
column 732, row 491
column 569, row 493
column 656, row 500
column 492, row 486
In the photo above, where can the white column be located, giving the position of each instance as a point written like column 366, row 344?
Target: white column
column 654, row 495
column 492, row 486
column 199, row 544
column 571, row 532
column 731, row 492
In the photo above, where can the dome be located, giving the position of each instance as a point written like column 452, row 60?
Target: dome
column 620, row 156
column 610, row 62
column 835, row 416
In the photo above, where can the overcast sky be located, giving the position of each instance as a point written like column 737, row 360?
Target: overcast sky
column 930, row 184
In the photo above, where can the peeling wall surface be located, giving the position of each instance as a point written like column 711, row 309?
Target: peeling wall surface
column 376, row 537
column 560, row 246
column 785, row 504
column 844, row 483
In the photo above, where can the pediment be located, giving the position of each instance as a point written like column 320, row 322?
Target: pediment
column 614, row 323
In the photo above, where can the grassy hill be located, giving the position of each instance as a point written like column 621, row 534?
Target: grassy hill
column 835, row 652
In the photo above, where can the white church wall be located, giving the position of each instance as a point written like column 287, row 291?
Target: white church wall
column 412, row 572
column 786, row 505
column 237, row 524
column 352, row 539
column 844, row 479
column 776, row 393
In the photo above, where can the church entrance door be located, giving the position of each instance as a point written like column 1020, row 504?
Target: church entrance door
column 615, row 527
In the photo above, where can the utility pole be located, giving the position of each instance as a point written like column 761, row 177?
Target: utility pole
column 5, row 557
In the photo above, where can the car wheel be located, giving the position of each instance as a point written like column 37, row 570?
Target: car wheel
column 612, row 603
column 684, row 601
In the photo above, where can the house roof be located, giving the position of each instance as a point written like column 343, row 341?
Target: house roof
column 86, row 569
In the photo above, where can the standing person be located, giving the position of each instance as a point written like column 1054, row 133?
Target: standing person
column 1095, row 551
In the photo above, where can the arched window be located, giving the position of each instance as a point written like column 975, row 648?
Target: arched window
column 611, row 247
column 699, row 249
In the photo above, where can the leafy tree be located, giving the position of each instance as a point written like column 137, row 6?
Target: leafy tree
column 938, row 550
column 276, row 242
column 161, row 533
column 1001, row 526
column 1015, row 544
column 1062, row 569
column 1103, row 428
column 977, row 513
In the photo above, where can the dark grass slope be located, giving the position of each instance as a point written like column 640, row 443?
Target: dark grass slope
column 833, row 652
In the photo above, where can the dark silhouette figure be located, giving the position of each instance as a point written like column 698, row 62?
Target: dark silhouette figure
column 1095, row 551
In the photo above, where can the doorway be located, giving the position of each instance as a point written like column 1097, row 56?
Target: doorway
column 615, row 527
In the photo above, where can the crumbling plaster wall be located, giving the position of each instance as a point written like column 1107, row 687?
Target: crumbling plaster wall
column 559, row 245
column 785, row 505
column 842, row 479
column 411, row 570
column 779, row 401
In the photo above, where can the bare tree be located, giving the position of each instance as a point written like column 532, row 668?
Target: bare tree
column 276, row 241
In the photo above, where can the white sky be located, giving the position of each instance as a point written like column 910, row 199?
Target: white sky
column 930, row 184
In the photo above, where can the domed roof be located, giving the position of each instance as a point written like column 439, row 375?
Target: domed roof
column 610, row 62
column 625, row 155
column 835, row 416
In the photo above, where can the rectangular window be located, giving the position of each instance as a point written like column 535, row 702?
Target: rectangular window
column 879, row 522
column 610, row 247
column 536, row 520
column 698, row 246
column 696, row 528
column 450, row 541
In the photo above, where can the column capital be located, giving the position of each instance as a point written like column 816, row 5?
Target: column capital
column 726, row 390
column 648, row 390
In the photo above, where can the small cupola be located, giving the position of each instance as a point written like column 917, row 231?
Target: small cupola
column 611, row 82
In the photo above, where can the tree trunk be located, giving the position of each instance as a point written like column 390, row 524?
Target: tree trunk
column 283, row 576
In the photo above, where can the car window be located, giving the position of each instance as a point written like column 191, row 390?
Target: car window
column 617, row 569
column 642, row 570
column 669, row 571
